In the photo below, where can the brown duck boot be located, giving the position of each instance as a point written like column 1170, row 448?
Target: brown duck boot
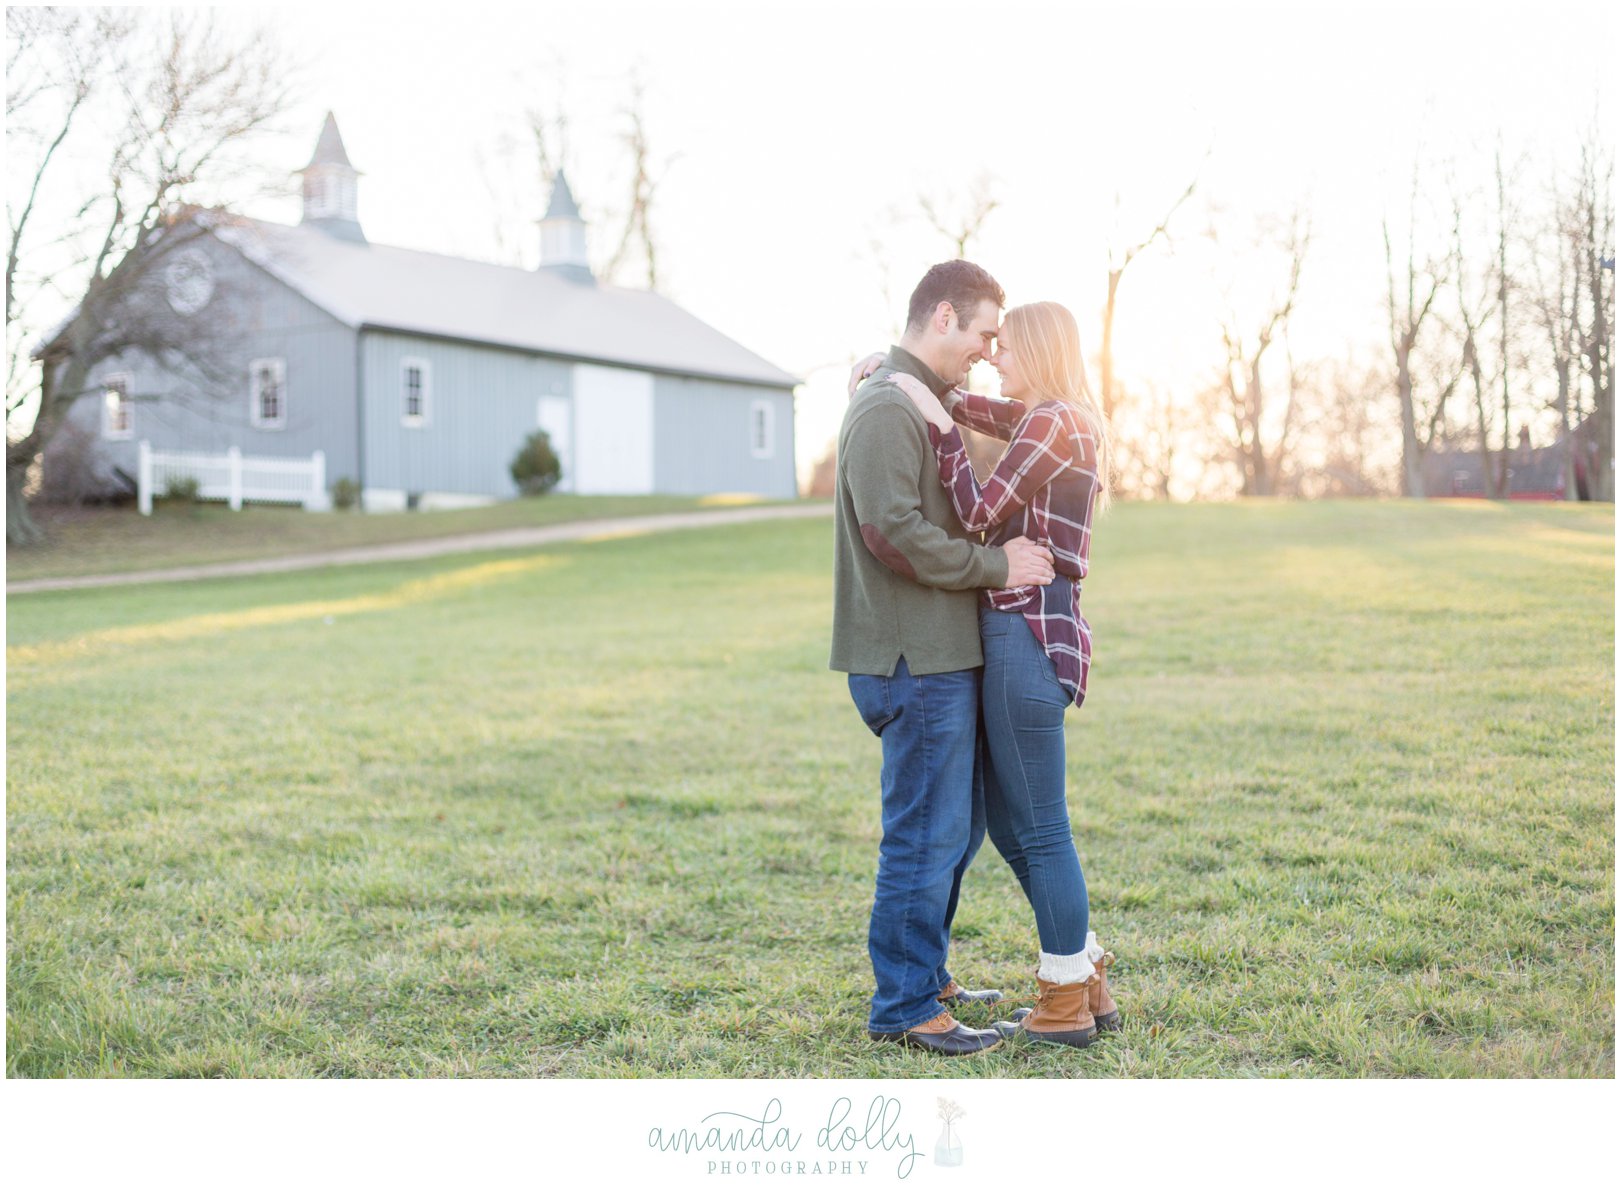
column 1063, row 1014
column 945, row 1036
column 1104, row 1010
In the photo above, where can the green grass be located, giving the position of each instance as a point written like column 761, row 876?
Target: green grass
column 1343, row 791
column 113, row 540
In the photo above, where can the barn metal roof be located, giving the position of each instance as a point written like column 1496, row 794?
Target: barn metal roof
column 375, row 285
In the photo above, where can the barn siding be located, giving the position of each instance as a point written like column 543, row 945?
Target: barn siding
column 272, row 321
column 483, row 402
column 702, row 442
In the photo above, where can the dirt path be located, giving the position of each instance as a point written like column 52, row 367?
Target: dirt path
column 511, row 538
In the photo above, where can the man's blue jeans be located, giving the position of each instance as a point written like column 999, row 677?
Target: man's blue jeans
column 933, row 820
column 1025, row 808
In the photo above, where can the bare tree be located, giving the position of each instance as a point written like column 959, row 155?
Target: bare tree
column 1151, row 434
column 1244, row 380
column 496, row 172
column 51, row 65
column 1571, row 301
column 171, row 99
column 1410, row 298
column 1557, row 303
column 1594, row 228
column 877, row 253
column 1117, row 269
column 1338, row 446
column 643, row 183
column 509, row 173
column 1474, row 306
column 961, row 219
column 1504, row 219
column 548, row 127
column 520, row 162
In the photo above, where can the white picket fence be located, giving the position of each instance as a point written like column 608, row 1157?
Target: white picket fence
column 234, row 477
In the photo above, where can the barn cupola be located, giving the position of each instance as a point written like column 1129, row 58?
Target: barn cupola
column 329, row 187
column 562, row 235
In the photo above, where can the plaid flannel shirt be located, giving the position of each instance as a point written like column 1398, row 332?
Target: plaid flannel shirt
column 1043, row 488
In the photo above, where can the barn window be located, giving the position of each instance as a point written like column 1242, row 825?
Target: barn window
column 414, row 392
column 762, row 429
column 116, row 422
column 267, row 399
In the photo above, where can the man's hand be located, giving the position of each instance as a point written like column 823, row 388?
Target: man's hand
column 1028, row 564
column 863, row 369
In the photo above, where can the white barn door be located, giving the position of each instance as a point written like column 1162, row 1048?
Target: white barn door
column 555, row 418
column 613, row 431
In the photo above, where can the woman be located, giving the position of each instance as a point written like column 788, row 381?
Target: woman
column 1037, row 645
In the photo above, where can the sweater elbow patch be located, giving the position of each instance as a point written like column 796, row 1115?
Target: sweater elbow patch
column 878, row 545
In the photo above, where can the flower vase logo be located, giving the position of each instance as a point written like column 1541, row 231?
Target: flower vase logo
column 948, row 1149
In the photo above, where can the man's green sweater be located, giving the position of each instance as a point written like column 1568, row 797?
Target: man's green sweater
column 905, row 571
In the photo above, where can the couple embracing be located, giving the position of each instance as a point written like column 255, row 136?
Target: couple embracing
column 957, row 617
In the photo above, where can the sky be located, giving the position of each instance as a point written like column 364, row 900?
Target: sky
column 793, row 140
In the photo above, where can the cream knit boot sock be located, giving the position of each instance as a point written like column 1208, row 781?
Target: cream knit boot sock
column 1066, row 968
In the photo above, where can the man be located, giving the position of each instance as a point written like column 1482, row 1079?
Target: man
column 906, row 630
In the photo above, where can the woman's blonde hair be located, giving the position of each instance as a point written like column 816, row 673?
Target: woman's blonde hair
column 1047, row 342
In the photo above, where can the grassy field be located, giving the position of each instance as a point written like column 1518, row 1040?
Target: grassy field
column 111, row 540
column 1343, row 792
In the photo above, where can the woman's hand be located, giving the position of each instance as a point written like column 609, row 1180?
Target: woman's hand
column 927, row 403
column 864, row 369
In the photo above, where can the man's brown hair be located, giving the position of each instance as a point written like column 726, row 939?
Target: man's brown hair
column 960, row 284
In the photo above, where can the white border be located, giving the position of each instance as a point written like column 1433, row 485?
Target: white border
column 413, row 1132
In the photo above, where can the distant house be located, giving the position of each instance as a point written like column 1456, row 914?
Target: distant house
column 419, row 375
column 1534, row 472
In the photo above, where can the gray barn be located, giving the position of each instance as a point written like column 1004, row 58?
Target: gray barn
column 419, row 375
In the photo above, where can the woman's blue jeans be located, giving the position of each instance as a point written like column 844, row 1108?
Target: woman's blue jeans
column 934, row 821
column 1026, row 814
